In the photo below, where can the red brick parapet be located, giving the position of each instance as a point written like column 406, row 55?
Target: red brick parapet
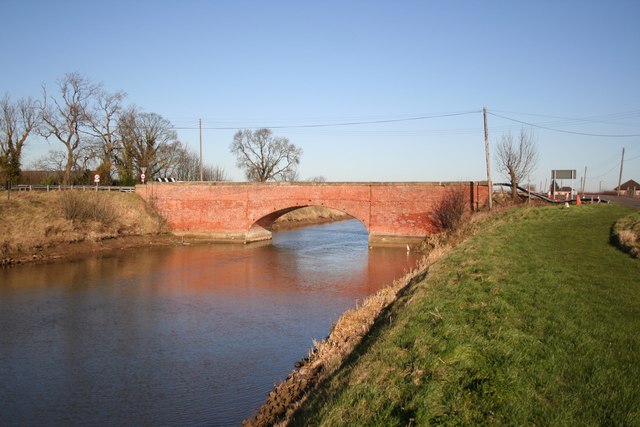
column 392, row 212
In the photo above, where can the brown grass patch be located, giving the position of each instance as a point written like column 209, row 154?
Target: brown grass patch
column 626, row 234
column 33, row 223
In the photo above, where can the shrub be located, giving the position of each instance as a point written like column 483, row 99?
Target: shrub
column 449, row 211
column 87, row 206
column 626, row 234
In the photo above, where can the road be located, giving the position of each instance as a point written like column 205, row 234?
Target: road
column 625, row 201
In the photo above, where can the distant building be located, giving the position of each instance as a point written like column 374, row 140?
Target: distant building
column 630, row 188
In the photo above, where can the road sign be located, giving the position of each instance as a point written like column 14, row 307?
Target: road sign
column 142, row 177
column 96, row 178
column 563, row 174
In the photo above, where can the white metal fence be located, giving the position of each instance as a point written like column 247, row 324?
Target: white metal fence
column 72, row 187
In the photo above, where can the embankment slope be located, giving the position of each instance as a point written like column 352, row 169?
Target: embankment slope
column 42, row 226
column 533, row 320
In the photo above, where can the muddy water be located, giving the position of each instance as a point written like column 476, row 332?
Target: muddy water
column 176, row 336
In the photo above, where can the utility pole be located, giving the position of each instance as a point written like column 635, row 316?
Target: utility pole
column 620, row 177
column 200, row 126
column 486, row 150
column 584, row 180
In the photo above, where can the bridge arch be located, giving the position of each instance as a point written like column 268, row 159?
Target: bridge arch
column 260, row 229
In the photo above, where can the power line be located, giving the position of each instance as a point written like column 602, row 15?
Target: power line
column 605, row 118
column 607, row 172
column 323, row 125
column 564, row 131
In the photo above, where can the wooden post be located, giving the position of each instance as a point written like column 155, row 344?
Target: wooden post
column 486, row 150
column 620, row 177
column 200, row 126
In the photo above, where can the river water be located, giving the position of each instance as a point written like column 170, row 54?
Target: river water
column 195, row 335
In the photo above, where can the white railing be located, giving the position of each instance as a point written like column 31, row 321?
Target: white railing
column 73, row 187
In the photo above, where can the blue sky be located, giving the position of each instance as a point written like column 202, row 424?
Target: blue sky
column 571, row 66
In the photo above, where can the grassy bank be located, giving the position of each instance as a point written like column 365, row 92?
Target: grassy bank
column 45, row 225
column 532, row 321
column 626, row 233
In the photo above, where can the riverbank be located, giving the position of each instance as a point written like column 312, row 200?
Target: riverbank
column 46, row 226
column 308, row 216
column 529, row 321
column 49, row 226
column 327, row 356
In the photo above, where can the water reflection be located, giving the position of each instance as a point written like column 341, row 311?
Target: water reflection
column 172, row 336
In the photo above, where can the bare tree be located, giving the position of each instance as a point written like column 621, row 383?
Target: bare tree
column 318, row 178
column 156, row 144
column 214, row 173
column 188, row 167
column 102, row 120
column 265, row 157
column 147, row 140
column 124, row 153
column 516, row 160
column 17, row 121
column 53, row 163
column 64, row 117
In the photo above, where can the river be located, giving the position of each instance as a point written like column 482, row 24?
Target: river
column 194, row 335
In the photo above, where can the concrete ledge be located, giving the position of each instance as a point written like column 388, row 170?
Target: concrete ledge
column 212, row 237
column 256, row 234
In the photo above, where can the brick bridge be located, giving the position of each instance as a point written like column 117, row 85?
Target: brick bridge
column 392, row 213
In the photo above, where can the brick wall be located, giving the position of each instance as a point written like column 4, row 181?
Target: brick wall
column 391, row 212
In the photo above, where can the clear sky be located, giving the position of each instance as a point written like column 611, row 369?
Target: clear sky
column 570, row 66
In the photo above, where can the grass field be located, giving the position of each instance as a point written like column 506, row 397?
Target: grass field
column 532, row 321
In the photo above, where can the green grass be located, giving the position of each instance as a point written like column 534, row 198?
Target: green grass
column 535, row 320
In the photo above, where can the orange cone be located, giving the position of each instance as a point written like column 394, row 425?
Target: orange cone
column 578, row 202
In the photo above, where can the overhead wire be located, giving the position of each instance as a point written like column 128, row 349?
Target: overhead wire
column 572, row 121
column 337, row 124
column 565, row 131
column 605, row 119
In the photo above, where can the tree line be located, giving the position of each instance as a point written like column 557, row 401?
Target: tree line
column 97, row 132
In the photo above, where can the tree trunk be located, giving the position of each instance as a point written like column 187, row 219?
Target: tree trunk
column 514, row 184
column 66, row 180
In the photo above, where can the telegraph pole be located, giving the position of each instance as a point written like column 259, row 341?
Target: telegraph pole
column 486, row 150
column 200, row 126
column 620, row 177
